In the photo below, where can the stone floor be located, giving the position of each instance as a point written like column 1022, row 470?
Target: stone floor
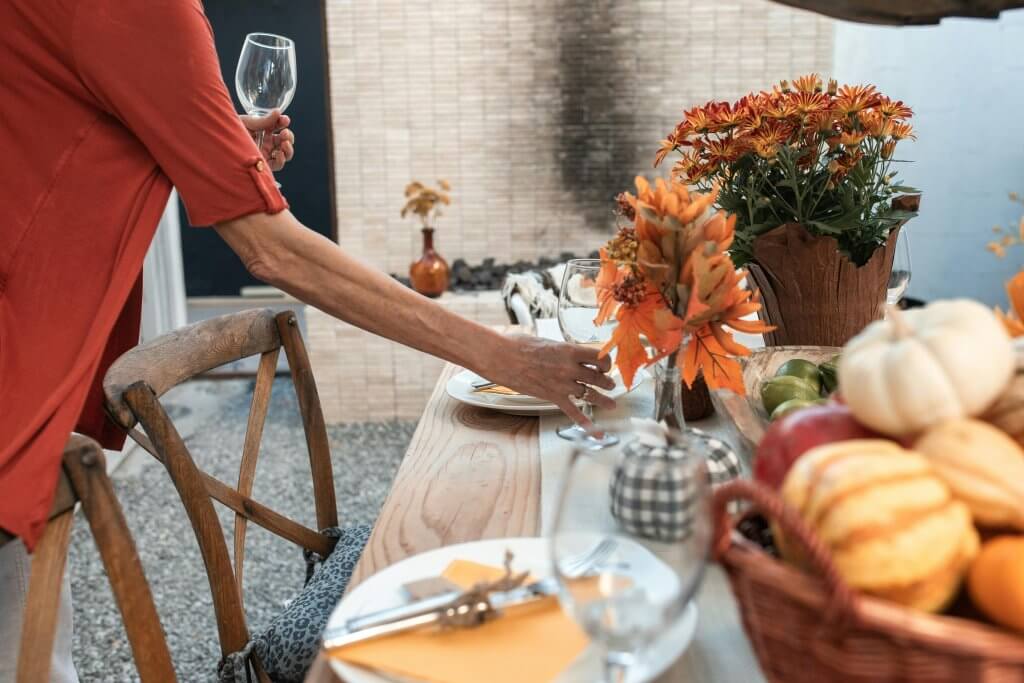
column 365, row 457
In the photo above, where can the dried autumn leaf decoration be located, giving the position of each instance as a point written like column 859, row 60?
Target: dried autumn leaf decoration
column 425, row 201
column 670, row 283
column 1013, row 319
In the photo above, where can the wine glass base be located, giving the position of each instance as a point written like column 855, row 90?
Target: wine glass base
column 591, row 440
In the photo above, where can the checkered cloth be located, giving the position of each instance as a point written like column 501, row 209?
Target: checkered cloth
column 652, row 499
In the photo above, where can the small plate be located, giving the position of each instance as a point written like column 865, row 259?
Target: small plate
column 460, row 387
column 382, row 590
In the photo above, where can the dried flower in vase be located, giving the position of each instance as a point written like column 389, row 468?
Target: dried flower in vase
column 668, row 280
column 426, row 202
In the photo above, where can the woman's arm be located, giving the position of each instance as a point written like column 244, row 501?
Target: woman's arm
column 279, row 250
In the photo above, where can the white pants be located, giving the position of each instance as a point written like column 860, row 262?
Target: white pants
column 15, row 566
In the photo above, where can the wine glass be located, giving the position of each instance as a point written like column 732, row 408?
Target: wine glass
column 577, row 308
column 265, row 76
column 628, row 585
column 899, row 277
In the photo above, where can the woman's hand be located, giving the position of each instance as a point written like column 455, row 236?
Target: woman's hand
column 553, row 371
column 278, row 146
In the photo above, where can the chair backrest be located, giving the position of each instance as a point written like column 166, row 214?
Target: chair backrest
column 84, row 479
column 133, row 387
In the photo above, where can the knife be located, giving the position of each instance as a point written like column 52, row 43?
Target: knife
column 426, row 612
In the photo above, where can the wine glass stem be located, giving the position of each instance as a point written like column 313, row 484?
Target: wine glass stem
column 616, row 665
column 259, row 141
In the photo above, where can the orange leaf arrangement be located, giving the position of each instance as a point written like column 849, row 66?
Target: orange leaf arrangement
column 1013, row 320
column 801, row 153
column 670, row 283
column 425, row 201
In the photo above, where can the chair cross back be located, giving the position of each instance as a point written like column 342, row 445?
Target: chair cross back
column 133, row 386
column 83, row 479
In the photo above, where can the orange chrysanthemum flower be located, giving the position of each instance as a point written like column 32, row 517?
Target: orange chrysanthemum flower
column 811, row 83
column 699, row 119
column 854, row 98
column 901, row 131
column 874, row 124
column 806, row 104
column 726, row 150
column 779, row 106
column 849, row 139
column 895, row 110
column 767, row 139
column 667, row 145
column 727, row 117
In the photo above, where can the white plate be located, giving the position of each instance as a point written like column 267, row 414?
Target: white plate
column 460, row 387
column 531, row 554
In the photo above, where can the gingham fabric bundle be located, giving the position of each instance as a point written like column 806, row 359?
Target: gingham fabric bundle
column 653, row 500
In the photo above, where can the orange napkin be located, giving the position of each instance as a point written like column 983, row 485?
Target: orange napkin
column 534, row 643
column 498, row 389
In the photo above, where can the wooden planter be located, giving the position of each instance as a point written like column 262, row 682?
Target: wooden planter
column 812, row 293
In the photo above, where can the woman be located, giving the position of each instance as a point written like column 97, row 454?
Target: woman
column 107, row 105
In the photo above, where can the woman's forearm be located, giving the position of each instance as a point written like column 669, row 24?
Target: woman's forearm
column 280, row 251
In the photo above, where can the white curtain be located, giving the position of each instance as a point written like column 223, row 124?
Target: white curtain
column 163, row 277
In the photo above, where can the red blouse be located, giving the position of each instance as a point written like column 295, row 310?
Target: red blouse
column 106, row 104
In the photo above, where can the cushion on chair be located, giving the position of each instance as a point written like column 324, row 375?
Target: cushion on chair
column 288, row 646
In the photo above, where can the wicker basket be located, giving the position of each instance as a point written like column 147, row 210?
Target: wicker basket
column 815, row 629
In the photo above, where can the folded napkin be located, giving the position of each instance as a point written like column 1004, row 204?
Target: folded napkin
column 498, row 389
column 531, row 643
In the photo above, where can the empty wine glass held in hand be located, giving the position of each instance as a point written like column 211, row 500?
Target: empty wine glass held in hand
column 265, row 78
column 627, row 576
column 577, row 309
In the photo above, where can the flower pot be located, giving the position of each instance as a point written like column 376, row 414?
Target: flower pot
column 813, row 294
column 429, row 275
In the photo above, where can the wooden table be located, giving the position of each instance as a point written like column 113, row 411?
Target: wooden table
column 472, row 474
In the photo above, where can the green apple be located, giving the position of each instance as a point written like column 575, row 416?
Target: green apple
column 778, row 390
column 792, row 405
column 830, row 375
column 804, row 369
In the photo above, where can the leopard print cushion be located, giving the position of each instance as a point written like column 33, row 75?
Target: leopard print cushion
column 288, row 646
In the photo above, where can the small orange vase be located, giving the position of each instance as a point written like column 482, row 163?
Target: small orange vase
column 429, row 275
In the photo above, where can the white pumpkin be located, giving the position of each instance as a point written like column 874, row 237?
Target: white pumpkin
column 950, row 359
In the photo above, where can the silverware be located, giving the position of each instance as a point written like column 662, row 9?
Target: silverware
column 427, row 612
column 582, row 564
column 430, row 610
column 482, row 384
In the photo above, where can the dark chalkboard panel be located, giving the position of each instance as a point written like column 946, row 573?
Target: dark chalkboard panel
column 211, row 268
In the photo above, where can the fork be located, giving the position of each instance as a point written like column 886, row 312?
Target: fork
column 580, row 565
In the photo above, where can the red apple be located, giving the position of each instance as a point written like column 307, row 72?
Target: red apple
column 787, row 439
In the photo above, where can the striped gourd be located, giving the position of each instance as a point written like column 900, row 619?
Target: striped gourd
column 893, row 527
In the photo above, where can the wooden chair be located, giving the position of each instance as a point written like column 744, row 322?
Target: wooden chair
column 133, row 387
column 84, row 479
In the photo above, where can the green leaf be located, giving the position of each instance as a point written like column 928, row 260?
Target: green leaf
column 826, row 228
column 899, row 214
column 904, row 188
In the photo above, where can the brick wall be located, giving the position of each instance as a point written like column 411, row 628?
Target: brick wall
column 538, row 111
column 363, row 377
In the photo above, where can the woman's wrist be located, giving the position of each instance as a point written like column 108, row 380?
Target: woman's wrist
column 486, row 349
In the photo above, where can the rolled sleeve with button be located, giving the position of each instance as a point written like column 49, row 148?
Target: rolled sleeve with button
column 108, row 104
